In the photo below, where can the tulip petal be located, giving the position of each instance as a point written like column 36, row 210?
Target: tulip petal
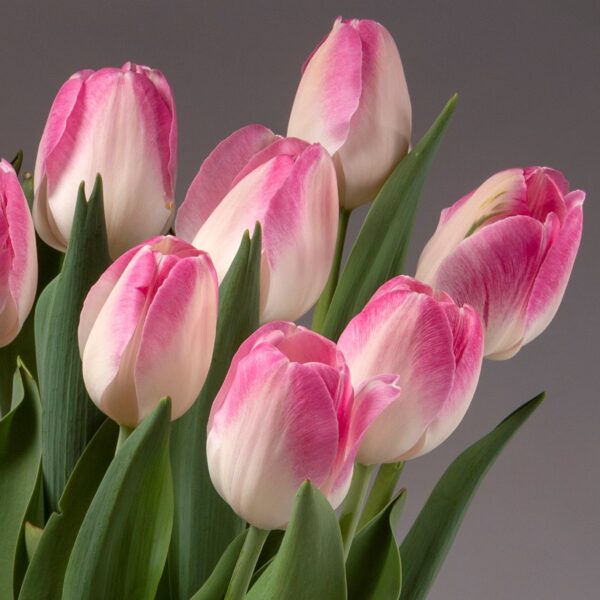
column 554, row 273
column 468, row 351
column 330, row 89
column 383, row 89
column 217, row 175
column 482, row 272
column 110, row 347
column 166, row 332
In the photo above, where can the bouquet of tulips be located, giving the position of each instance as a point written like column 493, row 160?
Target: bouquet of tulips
column 167, row 430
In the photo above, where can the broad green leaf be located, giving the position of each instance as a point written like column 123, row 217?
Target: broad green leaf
column 429, row 539
column 204, row 524
column 310, row 562
column 69, row 418
column 45, row 575
column 215, row 586
column 122, row 545
column 20, row 454
column 379, row 250
column 374, row 571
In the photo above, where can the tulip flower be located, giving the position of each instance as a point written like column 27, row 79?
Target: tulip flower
column 289, row 187
column 508, row 249
column 434, row 348
column 147, row 330
column 353, row 99
column 287, row 413
column 121, row 124
column 18, row 256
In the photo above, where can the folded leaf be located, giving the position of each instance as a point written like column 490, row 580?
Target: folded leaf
column 68, row 415
column 45, row 575
column 204, row 524
column 429, row 539
column 373, row 566
column 310, row 561
column 20, row 454
column 379, row 250
column 122, row 546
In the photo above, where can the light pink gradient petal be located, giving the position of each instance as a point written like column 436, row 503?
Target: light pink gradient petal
column 182, row 330
column 555, row 270
column 483, row 271
column 217, row 175
column 330, row 90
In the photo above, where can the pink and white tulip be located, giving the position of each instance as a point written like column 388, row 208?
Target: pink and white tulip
column 433, row 347
column 287, row 413
column 287, row 185
column 353, row 99
column 508, row 249
column 18, row 256
column 147, row 330
column 121, row 124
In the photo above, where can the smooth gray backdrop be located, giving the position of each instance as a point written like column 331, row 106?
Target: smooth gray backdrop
column 528, row 78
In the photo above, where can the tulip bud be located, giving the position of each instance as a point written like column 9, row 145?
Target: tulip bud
column 353, row 99
column 147, row 330
column 289, row 187
column 287, row 413
column 434, row 348
column 119, row 123
column 18, row 256
column 508, row 249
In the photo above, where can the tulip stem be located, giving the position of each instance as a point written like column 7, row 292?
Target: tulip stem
column 381, row 492
column 353, row 504
column 124, row 433
column 246, row 562
column 324, row 301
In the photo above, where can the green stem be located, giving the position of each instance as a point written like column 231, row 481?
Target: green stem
column 324, row 301
column 246, row 562
column 124, row 433
column 353, row 504
column 382, row 491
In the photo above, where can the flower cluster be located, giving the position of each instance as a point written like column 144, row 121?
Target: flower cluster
column 294, row 405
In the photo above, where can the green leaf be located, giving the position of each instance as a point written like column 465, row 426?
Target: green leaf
column 45, row 575
column 69, row 418
column 215, row 586
column 373, row 566
column 20, row 454
column 310, row 562
column 379, row 250
column 33, row 533
column 122, row 546
column 429, row 539
column 204, row 524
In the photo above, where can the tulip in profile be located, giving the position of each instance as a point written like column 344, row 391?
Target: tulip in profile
column 434, row 348
column 121, row 124
column 353, row 99
column 147, row 330
column 288, row 186
column 18, row 256
column 287, row 413
column 508, row 249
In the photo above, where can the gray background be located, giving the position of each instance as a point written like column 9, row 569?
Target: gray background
column 528, row 78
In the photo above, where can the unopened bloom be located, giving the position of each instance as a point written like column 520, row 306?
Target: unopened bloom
column 434, row 348
column 353, row 99
column 147, row 330
column 18, row 256
column 287, row 413
column 288, row 186
column 508, row 249
column 121, row 124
